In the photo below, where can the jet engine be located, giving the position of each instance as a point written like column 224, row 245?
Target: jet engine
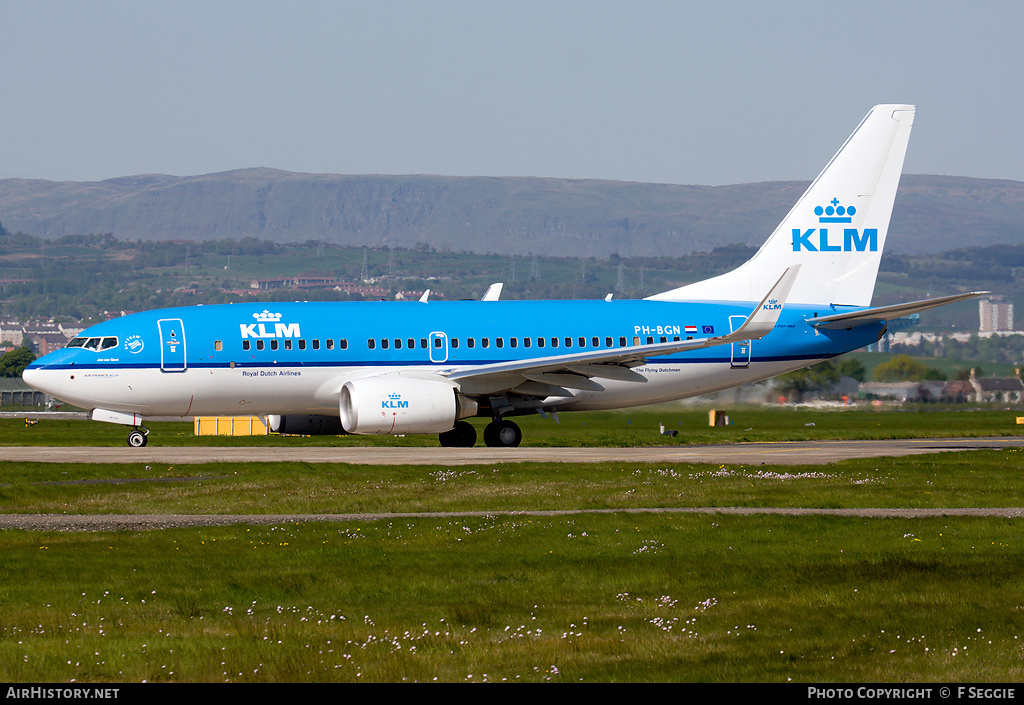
column 306, row 425
column 395, row 404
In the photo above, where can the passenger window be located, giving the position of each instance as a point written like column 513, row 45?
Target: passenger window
column 423, row 343
column 259, row 345
column 485, row 342
column 527, row 342
column 514, row 342
column 500, row 342
column 245, row 345
column 437, row 342
column 302, row 343
column 554, row 342
column 410, row 343
column 568, row 342
column 608, row 342
column 540, row 342
column 455, row 342
column 343, row 343
column 218, row 345
column 398, row 343
column 595, row 341
column 273, row 345
column 371, row 343
column 288, row 344
column 316, row 343
column 471, row 342
column 622, row 341
column 636, row 340
column 384, row 344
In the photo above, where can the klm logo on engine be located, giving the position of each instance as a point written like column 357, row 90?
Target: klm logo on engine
column 819, row 239
column 268, row 325
column 394, row 401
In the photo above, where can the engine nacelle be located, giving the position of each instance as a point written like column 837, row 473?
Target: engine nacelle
column 306, row 425
column 395, row 404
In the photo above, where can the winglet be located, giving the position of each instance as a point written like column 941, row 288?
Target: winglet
column 493, row 292
column 762, row 319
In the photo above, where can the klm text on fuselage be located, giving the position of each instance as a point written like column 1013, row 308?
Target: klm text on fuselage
column 853, row 240
column 259, row 330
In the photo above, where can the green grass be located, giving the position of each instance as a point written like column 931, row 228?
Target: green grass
column 989, row 478
column 585, row 597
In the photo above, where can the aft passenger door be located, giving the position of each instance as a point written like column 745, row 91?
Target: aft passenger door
column 172, row 344
column 740, row 356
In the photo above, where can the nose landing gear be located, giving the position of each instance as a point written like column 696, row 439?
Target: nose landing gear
column 139, row 437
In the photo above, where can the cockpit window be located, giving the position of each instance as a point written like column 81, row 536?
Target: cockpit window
column 93, row 343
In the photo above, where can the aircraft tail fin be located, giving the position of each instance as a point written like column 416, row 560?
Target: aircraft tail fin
column 837, row 228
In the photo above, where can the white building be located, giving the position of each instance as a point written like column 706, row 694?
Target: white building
column 995, row 315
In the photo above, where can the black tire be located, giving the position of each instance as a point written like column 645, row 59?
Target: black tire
column 462, row 436
column 137, row 439
column 502, row 434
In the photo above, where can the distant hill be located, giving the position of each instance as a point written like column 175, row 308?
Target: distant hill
column 483, row 214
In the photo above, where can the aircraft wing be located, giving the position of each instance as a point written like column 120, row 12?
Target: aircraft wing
column 575, row 370
column 852, row 319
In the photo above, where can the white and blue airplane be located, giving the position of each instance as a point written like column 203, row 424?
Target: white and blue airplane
column 426, row 366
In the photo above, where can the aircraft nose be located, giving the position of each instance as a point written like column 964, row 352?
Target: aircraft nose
column 40, row 379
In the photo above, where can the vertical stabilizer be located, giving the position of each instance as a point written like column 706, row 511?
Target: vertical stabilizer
column 837, row 229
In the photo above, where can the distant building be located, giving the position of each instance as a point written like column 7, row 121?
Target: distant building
column 44, row 337
column 12, row 331
column 995, row 315
column 1004, row 390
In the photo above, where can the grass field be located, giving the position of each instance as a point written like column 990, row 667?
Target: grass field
column 605, row 597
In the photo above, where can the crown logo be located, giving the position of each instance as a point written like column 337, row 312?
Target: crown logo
column 834, row 213
column 267, row 317
column 394, row 396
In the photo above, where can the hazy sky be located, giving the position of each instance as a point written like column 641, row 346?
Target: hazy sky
column 714, row 92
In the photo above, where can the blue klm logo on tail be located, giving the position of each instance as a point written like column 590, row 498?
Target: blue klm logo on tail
column 853, row 239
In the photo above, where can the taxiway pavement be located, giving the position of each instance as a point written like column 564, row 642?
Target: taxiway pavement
column 789, row 453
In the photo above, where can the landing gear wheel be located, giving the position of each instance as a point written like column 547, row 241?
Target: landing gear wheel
column 502, row 434
column 138, row 439
column 462, row 436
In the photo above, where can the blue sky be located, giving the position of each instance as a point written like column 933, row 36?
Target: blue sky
column 648, row 90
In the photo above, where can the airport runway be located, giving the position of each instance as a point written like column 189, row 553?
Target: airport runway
column 792, row 453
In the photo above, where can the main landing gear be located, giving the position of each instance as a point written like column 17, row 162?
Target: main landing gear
column 497, row 434
column 139, row 437
column 502, row 434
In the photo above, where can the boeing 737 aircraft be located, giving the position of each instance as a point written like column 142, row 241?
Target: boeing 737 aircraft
column 426, row 366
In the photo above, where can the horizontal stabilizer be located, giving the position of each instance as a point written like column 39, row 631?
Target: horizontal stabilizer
column 852, row 319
